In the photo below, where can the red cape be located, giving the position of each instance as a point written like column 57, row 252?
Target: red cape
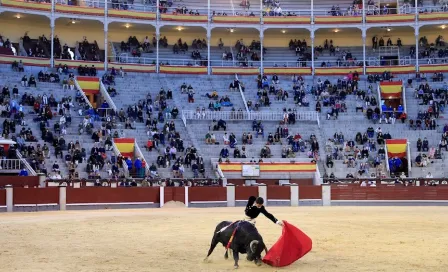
column 292, row 245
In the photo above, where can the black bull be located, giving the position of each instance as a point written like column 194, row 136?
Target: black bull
column 246, row 240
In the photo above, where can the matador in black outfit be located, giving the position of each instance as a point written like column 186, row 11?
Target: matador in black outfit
column 254, row 207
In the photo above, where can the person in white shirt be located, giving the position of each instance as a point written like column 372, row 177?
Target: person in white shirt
column 429, row 175
column 225, row 138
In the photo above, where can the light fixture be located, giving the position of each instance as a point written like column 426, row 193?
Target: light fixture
column 179, row 28
column 336, row 30
column 283, row 31
column 127, row 25
column 18, row 16
column 443, row 26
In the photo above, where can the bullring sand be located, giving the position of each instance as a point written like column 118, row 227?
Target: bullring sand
column 395, row 239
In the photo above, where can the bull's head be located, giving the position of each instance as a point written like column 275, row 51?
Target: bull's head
column 254, row 251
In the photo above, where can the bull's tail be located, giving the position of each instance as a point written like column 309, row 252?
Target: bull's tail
column 215, row 241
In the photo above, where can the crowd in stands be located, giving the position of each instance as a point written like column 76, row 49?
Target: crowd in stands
column 301, row 50
column 360, row 153
column 355, row 9
column 243, row 52
column 433, row 52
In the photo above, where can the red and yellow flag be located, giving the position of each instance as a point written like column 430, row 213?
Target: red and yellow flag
column 125, row 146
column 90, row 85
column 391, row 90
column 396, row 148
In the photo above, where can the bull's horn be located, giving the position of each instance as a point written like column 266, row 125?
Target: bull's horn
column 254, row 242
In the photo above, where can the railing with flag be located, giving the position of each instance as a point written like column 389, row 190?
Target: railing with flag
column 117, row 152
column 78, row 87
column 241, row 115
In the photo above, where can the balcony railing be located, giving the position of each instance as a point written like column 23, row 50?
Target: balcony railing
column 244, row 115
column 148, row 11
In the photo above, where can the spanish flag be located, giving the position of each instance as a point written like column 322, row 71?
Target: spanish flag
column 391, row 90
column 396, row 148
column 125, row 146
column 90, row 85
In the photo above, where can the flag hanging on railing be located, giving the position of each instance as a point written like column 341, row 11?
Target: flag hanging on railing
column 125, row 146
column 391, row 90
column 396, row 148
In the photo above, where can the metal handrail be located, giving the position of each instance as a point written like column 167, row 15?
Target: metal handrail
column 139, row 153
column 242, row 95
column 28, row 167
column 78, row 87
column 409, row 158
column 107, row 97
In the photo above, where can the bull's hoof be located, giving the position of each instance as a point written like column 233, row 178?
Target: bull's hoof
column 235, row 266
column 205, row 260
column 258, row 263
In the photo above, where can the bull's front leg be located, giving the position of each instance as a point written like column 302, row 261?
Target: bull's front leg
column 236, row 257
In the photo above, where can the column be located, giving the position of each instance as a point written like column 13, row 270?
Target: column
column 62, row 197
column 363, row 11
column 9, row 198
column 326, row 195
column 261, row 51
column 209, row 38
column 312, row 52
column 52, row 42
column 162, row 196
column 364, row 36
column 106, row 45
column 230, row 195
column 42, row 180
column 417, row 34
column 186, row 196
column 294, row 195
column 157, row 47
column 77, row 184
column 312, row 12
column 262, row 192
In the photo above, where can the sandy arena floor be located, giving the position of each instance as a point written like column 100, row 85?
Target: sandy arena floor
column 176, row 240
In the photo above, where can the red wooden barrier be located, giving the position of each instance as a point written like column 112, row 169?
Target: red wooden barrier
column 174, row 194
column 310, row 192
column 389, row 193
column 112, row 195
column 17, row 181
column 35, row 196
column 269, row 182
column 2, row 197
column 207, row 194
column 243, row 193
column 278, row 192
